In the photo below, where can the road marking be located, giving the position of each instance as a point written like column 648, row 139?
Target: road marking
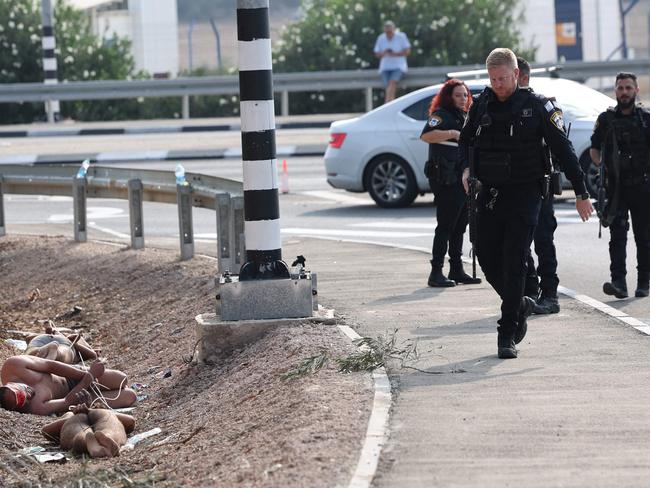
column 388, row 224
column 337, row 197
column 92, row 213
column 606, row 309
column 348, row 233
column 106, row 230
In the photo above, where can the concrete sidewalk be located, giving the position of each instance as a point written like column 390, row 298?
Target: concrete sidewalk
column 572, row 410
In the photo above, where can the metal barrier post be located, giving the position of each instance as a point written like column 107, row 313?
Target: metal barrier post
column 186, row 107
column 284, row 103
column 224, row 234
column 184, row 202
column 238, row 252
column 368, row 99
column 79, row 203
column 135, row 214
column 2, row 211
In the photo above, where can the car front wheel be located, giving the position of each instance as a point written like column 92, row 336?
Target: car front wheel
column 390, row 182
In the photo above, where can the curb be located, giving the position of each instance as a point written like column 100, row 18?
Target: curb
column 117, row 157
column 377, row 433
column 109, row 131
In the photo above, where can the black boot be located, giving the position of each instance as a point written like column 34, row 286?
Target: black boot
column 506, row 343
column 616, row 287
column 457, row 273
column 437, row 279
column 525, row 311
column 547, row 303
column 642, row 287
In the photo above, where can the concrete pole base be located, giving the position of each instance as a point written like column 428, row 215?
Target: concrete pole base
column 218, row 338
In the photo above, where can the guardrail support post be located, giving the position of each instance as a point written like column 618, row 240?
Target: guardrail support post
column 79, row 186
column 184, row 201
column 284, row 103
column 2, row 211
column 368, row 99
column 186, row 107
column 135, row 214
column 224, row 232
column 238, row 246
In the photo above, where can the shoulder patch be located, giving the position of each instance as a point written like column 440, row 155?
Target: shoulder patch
column 549, row 106
column 435, row 121
column 557, row 120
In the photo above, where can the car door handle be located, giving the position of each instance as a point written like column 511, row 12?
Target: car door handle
column 414, row 138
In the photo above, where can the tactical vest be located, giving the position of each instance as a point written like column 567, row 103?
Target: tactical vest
column 509, row 145
column 634, row 152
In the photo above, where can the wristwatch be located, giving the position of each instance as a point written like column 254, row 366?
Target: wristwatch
column 584, row 196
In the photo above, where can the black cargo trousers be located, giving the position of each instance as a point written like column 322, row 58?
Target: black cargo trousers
column 635, row 202
column 545, row 277
column 507, row 216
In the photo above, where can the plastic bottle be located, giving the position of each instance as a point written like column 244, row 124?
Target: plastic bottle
column 180, row 175
column 83, row 169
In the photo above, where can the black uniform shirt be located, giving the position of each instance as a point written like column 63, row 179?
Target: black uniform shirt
column 443, row 119
column 601, row 126
column 551, row 130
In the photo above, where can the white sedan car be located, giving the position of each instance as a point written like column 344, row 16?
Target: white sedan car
column 381, row 152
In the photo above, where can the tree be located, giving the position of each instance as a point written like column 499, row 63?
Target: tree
column 81, row 56
column 340, row 35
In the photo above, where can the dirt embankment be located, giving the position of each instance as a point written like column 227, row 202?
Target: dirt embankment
column 236, row 423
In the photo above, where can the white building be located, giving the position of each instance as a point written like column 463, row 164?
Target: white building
column 151, row 25
column 588, row 29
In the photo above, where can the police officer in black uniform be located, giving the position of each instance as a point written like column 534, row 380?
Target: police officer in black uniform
column 541, row 283
column 503, row 142
column 446, row 118
column 621, row 139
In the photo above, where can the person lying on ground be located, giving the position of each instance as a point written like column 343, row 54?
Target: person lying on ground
column 54, row 345
column 95, row 431
column 42, row 386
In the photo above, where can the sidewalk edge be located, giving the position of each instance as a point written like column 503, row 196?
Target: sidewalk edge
column 377, row 433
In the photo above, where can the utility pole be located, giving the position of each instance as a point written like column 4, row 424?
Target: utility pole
column 265, row 289
column 48, row 42
column 261, row 202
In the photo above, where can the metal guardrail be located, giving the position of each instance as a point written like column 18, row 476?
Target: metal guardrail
column 284, row 83
column 136, row 185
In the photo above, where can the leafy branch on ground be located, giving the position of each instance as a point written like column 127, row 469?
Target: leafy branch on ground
column 307, row 366
column 374, row 353
column 371, row 353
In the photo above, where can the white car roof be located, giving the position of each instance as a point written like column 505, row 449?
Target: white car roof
column 575, row 98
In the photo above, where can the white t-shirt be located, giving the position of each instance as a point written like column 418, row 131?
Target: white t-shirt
column 398, row 43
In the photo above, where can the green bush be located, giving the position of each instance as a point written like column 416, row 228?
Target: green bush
column 341, row 34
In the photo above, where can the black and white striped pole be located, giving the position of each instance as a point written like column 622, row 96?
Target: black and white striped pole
column 49, row 58
column 261, row 202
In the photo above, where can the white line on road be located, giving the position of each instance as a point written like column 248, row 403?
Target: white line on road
column 349, row 233
column 606, row 309
column 106, row 230
column 388, row 224
column 337, row 197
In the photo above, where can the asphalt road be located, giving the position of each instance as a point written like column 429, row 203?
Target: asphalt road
column 312, row 208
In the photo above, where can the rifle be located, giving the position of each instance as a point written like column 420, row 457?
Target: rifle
column 606, row 208
column 471, row 207
column 600, row 205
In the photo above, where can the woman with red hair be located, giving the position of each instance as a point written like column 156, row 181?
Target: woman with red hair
column 446, row 118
